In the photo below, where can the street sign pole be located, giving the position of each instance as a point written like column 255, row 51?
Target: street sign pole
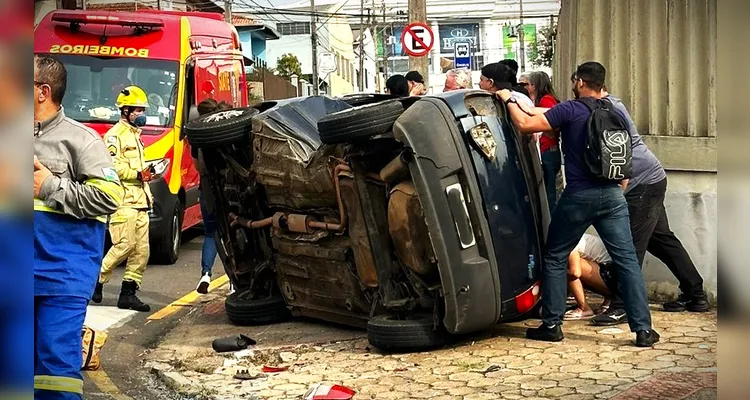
column 418, row 13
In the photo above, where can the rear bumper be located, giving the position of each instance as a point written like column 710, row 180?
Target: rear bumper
column 161, row 212
column 447, row 185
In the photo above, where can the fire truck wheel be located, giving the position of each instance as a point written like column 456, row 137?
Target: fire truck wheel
column 166, row 248
column 220, row 128
column 361, row 122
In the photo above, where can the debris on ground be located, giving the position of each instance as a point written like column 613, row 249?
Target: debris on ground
column 232, row 343
column 271, row 369
column 322, row 391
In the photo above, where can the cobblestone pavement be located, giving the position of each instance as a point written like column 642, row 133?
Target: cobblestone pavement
column 591, row 363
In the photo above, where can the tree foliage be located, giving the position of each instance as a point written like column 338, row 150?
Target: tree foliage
column 288, row 65
column 542, row 51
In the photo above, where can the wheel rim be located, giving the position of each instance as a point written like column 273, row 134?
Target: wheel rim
column 175, row 235
column 224, row 115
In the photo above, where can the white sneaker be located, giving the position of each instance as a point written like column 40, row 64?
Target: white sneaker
column 203, row 284
column 231, row 288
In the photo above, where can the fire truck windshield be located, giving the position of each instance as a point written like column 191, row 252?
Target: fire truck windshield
column 95, row 82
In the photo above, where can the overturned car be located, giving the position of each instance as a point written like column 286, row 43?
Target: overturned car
column 415, row 218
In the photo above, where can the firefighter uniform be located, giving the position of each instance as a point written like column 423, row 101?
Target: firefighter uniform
column 70, row 214
column 129, row 226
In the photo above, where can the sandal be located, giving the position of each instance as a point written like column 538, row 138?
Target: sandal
column 578, row 314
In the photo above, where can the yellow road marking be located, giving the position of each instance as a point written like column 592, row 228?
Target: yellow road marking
column 105, row 384
column 186, row 300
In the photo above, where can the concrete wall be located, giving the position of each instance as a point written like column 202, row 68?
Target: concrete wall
column 660, row 58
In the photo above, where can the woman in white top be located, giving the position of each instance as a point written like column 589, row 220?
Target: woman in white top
column 589, row 264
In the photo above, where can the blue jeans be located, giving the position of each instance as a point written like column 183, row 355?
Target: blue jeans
column 208, row 255
column 551, row 164
column 607, row 210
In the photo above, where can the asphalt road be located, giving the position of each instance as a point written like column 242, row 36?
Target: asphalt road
column 122, row 376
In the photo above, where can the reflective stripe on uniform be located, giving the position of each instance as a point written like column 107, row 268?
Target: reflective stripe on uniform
column 39, row 205
column 58, row 384
column 111, row 189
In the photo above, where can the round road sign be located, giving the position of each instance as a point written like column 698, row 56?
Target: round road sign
column 417, row 39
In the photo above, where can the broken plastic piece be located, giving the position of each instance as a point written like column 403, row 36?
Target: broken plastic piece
column 321, row 391
column 232, row 343
column 270, row 369
column 246, row 376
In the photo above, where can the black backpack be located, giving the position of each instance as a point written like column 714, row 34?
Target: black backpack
column 609, row 147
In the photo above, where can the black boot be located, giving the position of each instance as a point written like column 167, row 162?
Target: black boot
column 97, row 296
column 128, row 300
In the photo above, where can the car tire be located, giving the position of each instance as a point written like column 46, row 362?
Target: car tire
column 166, row 249
column 416, row 333
column 360, row 122
column 242, row 309
column 221, row 128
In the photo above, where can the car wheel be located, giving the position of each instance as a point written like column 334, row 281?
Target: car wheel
column 166, row 250
column 242, row 309
column 220, row 128
column 415, row 333
column 359, row 122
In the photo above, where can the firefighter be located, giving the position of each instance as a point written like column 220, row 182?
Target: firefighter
column 129, row 225
column 75, row 189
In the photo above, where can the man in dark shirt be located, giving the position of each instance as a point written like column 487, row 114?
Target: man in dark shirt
column 397, row 85
column 585, row 201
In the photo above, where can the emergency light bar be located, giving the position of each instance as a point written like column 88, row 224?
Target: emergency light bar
column 84, row 19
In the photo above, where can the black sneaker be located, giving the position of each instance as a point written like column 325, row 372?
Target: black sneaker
column 688, row 303
column 545, row 333
column 97, row 297
column 610, row 317
column 646, row 338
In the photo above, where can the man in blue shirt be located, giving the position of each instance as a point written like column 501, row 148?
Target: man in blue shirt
column 650, row 229
column 585, row 201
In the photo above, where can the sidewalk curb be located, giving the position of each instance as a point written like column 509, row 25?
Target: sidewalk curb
column 177, row 382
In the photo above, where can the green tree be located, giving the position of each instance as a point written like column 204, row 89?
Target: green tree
column 542, row 51
column 288, row 65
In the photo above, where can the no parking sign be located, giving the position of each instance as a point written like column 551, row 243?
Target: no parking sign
column 417, row 39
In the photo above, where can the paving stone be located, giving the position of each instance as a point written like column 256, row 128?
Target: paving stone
column 462, row 391
column 669, row 346
column 559, row 376
column 556, row 392
column 576, row 368
column 304, row 379
column 523, row 364
column 687, row 339
column 483, row 382
column 633, row 373
column 577, row 397
column 596, row 375
column 616, row 367
column 655, row 365
column 696, row 363
column 576, row 382
column 447, row 397
column 465, row 376
column 447, row 384
column 538, row 384
column 503, row 389
column 539, row 370
column 608, row 394
column 613, row 382
column 480, row 396
column 373, row 389
column 269, row 393
column 392, row 395
column 394, row 381
column 705, row 357
column 446, row 370
column 592, row 389
column 425, row 394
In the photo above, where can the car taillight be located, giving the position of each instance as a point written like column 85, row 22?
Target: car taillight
column 528, row 299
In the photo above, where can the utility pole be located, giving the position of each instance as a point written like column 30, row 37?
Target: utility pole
column 228, row 11
column 360, row 77
column 158, row 4
column 521, row 43
column 386, row 46
column 314, row 40
column 418, row 13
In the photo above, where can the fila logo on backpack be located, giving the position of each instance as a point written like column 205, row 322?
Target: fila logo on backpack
column 609, row 146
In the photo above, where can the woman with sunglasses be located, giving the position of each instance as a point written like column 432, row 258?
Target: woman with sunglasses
column 542, row 94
